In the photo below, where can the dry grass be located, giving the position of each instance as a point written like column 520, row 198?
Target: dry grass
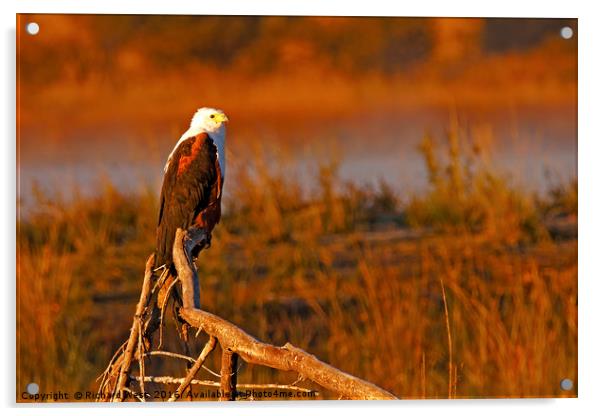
column 305, row 267
column 355, row 274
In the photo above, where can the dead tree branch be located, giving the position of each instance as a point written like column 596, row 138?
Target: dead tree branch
column 286, row 358
column 135, row 331
column 182, row 257
column 234, row 341
column 210, row 383
column 228, row 376
column 209, row 346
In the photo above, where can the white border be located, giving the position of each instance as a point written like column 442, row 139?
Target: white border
column 553, row 8
column 589, row 168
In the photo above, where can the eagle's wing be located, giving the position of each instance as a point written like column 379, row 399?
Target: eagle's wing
column 186, row 191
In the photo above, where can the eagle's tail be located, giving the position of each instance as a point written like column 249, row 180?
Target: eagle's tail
column 163, row 256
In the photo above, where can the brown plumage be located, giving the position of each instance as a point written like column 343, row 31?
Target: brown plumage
column 190, row 195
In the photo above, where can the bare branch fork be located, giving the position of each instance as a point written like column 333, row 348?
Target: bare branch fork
column 235, row 343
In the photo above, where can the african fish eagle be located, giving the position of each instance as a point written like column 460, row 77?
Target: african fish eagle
column 192, row 183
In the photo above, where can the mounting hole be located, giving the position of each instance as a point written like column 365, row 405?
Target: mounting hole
column 33, row 388
column 566, row 32
column 32, row 28
column 566, row 384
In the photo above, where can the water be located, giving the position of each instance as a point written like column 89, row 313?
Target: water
column 535, row 151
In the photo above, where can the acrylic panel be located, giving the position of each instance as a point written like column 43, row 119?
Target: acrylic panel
column 398, row 216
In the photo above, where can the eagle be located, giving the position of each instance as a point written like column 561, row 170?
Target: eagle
column 192, row 183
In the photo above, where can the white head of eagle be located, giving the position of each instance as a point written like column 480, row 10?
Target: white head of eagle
column 213, row 122
column 193, row 181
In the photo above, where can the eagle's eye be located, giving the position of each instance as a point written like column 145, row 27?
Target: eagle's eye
column 212, row 116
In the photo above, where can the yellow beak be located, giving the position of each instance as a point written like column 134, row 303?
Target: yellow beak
column 221, row 117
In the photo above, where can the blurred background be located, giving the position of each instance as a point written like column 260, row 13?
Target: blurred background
column 373, row 164
column 95, row 90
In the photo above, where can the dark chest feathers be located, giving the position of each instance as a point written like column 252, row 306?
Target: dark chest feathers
column 195, row 154
column 190, row 180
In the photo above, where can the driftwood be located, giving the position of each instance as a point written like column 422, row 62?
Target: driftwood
column 235, row 343
column 287, row 358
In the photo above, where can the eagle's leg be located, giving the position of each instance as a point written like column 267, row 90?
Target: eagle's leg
column 197, row 239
